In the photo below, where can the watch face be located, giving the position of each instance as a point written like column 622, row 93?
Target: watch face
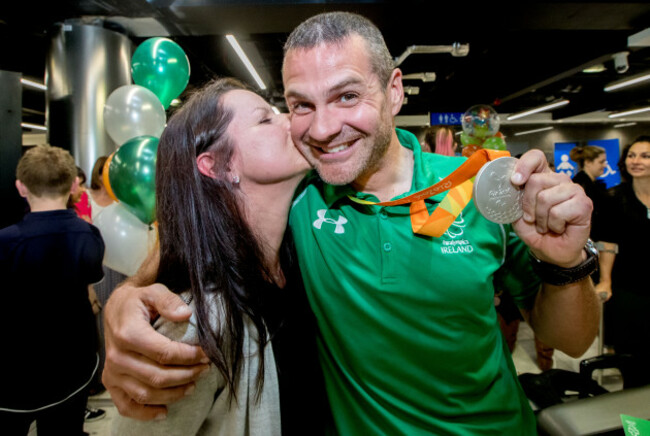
column 591, row 247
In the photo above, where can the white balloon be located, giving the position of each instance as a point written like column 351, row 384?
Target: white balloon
column 128, row 241
column 131, row 111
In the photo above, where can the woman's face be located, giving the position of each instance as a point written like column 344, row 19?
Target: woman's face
column 637, row 161
column 264, row 151
column 596, row 167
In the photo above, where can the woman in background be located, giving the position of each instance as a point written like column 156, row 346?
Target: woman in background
column 440, row 140
column 99, row 197
column 591, row 161
column 79, row 198
column 99, row 200
column 624, row 261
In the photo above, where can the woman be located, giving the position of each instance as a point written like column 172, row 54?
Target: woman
column 226, row 173
column 624, row 261
column 440, row 140
column 591, row 161
column 79, row 197
column 99, row 197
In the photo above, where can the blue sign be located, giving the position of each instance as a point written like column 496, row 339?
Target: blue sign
column 564, row 164
column 448, row 118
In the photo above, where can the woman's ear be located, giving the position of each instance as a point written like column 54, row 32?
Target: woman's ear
column 205, row 164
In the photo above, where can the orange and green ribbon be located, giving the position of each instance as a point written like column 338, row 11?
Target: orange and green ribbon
column 459, row 183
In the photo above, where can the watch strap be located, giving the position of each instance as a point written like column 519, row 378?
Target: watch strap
column 558, row 276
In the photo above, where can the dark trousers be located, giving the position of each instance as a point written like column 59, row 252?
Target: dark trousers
column 66, row 418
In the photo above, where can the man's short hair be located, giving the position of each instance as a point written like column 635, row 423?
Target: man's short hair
column 47, row 171
column 334, row 27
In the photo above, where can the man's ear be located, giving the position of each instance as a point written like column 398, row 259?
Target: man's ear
column 22, row 189
column 395, row 91
column 205, row 164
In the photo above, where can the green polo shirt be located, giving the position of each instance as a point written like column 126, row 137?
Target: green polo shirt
column 408, row 335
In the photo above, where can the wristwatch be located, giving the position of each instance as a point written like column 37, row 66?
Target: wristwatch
column 558, row 276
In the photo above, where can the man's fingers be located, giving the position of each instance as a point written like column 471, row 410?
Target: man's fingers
column 144, row 394
column 531, row 162
column 151, row 344
column 556, row 206
column 126, row 330
column 164, row 302
column 129, row 408
column 152, row 373
column 534, row 192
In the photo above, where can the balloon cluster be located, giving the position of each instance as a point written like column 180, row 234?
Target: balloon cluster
column 135, row 117
column 481, row 130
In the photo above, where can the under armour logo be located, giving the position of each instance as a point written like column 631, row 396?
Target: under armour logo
column 338, row 223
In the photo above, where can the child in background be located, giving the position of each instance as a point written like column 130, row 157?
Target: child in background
column 47, row 262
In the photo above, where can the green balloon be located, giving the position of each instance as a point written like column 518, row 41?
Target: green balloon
column 466, row 139
column 161, row 65
column 132, row 175
column 495, row 143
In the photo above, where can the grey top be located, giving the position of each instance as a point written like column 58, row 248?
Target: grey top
column 208, row 410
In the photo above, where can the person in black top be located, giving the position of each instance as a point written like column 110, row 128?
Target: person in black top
column 624, row 261
column 47, row 262
column 591, row 161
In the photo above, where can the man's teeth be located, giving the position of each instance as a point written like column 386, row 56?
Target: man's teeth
column 336, row 149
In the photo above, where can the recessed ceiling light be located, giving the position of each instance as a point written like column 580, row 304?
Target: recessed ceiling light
column 543, row 108
column 630, row 112
column 526, row 132
column 598, row 68
column 627, row 82
column 242, row 55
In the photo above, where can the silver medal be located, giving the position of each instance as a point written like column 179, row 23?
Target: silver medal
column 495, row 197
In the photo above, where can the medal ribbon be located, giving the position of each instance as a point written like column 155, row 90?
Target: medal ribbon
column 459, row 183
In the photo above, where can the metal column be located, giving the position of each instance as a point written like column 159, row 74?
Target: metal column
column 84, row 65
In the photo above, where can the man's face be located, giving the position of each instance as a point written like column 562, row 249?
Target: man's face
column 341, row 115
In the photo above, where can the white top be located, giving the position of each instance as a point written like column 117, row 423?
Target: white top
column 208, row 411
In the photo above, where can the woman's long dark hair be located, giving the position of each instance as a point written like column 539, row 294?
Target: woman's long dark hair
column 206, row 244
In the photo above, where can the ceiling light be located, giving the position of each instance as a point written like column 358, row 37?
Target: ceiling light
column 412, row 90
column 627, row 82
column 543, row 108
column 33, row 126
column 175, row 102
column 456, row 49
column 616, row 126
column 251, row 69
column 275, row 109
column 425, row 77
column 31, row 84
column 630, row 112
column 598, row 68
column 543, row 129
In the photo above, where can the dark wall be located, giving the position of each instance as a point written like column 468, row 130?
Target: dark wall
column 13, row 206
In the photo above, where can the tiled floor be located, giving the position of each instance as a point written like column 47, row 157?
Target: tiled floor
column 523, row 356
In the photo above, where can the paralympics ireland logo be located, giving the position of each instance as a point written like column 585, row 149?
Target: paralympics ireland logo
column 337, row 223
column 452, row 243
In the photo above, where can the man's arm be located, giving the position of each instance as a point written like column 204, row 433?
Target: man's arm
column 555, row 226
column 144, row 370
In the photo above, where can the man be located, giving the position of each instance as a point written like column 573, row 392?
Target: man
column 409, row 341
